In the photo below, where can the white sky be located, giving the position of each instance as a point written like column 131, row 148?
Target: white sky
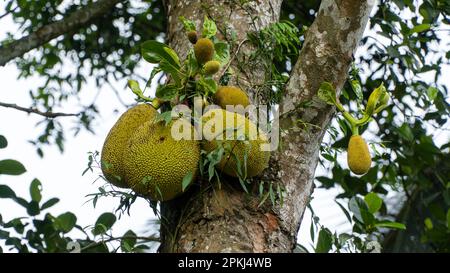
column 60, row 174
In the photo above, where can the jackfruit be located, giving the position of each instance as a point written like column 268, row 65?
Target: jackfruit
column 240, row 139
column 156, row 163
column 212, row 67
column 204, row 50
column 115, row 143
column 358, row 156
column 230, row 95
column 192, row 36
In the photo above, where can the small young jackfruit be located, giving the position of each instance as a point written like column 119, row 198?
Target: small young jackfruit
column 358, row 156
column 192, row 36
column 240, row 139
column 115, row 143
column 212, row 67
column 155, row 162
column 230, row 95
column 204, row 50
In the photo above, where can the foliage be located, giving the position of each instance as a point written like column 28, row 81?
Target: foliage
column 41, row 231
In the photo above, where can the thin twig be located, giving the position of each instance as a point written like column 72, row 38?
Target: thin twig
column 35, row 111
column 8, row 12
column 234, row 57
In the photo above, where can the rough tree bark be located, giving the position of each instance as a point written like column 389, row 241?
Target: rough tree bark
column 226, row 219
column 43, row 35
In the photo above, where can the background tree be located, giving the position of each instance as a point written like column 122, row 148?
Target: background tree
column 406, row 47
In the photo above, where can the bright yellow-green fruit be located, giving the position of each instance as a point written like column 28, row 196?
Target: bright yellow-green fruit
column 212, row 67
column 240, row 139
column 192, row 36
column 230, row 95
column 358, row 156
column 204, row 50
column 116, row 141
column 156, row 162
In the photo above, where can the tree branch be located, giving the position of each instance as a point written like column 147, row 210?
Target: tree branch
column 326, row 56
column 35, row 111
column 46, row 33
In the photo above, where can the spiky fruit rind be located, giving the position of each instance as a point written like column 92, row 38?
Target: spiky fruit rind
column 212, row 67
column 358, row 156
column 246, row 141
column 192, row 36
column 230, row 95
column 116, row 141
column 155, row 163
column 204, row 50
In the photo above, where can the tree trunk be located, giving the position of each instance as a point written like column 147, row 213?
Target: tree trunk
column 227, row 219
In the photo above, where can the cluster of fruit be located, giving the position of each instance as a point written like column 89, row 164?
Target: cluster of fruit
column 143, row 154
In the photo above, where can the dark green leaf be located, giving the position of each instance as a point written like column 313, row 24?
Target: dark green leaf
column 11, row 167
column 128, row 241
column 7, row 192
column 155, row 52
column 35, row 190
column 49, row 203
column 166, row 92
column 420, row 28
column 3, row 142
column 65, row 222
column 104, row 223
column 324, row 242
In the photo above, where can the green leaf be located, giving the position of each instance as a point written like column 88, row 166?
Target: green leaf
column 35, row 190
column 104, row 223
column 33, row 208
column 327, row 93
column 188, row 24
column 349, row 218
column 187, row 180
column 356, row 87
column 128, row 241
column 209, row 28
column 65, row 222
column 432, row 93
column 420, row 28
column 3, row 142
column 11, row 167
column 155, row 52
column 405, row 132
column 209, row 85
column 324, row 243
column 221, row 53
column 134, row 86
column 49, row 203
column 166, row 92
column 7, row 192
column 373, row 202
column 389, row 224
column 164, row 116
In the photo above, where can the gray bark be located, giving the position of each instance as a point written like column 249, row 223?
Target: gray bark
column 43, row 35
column 226, row 219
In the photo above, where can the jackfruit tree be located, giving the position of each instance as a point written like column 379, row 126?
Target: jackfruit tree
column 357, row 88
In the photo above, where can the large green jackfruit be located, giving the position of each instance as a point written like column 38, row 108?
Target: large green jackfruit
column 116, row 141
column 243, row 142
column 230, row 95
column 156, row 162
column 358, row 156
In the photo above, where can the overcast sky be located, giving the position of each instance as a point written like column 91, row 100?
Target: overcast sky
column 60, row 174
